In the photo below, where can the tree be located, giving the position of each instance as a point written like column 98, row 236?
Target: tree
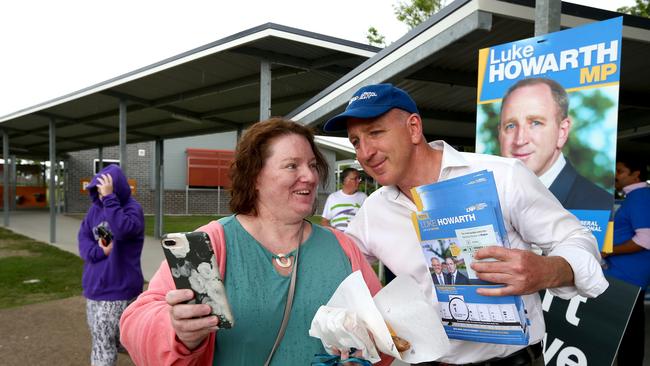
column 374, row 38
column 417, row 11
column 411, row 13
column 641, row 9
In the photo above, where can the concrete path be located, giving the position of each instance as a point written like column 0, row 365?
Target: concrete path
column 36, row 224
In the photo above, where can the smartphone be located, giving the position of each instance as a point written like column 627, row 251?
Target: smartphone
column 194, row 266
column 105, row 235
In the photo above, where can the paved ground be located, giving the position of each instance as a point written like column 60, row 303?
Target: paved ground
column 56, row 332
column 49, row 333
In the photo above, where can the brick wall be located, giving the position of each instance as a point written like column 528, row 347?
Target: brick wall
column 199, row 202
column 80, row 166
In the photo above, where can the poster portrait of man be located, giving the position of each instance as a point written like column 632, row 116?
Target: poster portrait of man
column 567, row 138
column 534, row 126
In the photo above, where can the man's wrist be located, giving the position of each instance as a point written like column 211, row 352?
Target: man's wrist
column 561, row 272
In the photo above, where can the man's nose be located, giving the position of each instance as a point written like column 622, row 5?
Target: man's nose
column 521, row 135
column 365, row 150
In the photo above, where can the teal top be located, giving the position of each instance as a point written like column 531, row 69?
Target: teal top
column 258, row 293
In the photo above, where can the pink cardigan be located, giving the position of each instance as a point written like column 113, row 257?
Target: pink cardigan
column 146, row 329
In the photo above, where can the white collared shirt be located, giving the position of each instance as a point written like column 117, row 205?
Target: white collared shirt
column 549, row 176
column 383, row 230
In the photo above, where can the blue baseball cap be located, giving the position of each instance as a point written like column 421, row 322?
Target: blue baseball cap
column 369, row 102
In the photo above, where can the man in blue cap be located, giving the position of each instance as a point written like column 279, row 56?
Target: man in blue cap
column 385, row 128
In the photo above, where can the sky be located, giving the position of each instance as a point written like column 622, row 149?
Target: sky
column 52, row 48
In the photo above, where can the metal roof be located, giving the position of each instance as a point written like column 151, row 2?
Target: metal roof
column 437, row 64
column 213, row 88
column 341, row 146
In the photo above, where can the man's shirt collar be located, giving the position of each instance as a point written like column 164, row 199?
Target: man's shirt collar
column 549, row 177
column 451, row 158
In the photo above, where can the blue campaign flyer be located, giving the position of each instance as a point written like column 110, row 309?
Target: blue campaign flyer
column 552, row 102
column 455, row 218
column 481, row 191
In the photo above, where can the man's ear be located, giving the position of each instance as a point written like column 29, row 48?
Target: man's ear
column 635, row 174
column 565, row 129
column 414, row 124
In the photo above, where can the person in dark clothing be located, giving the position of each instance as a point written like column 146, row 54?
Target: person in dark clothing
column 111, row 238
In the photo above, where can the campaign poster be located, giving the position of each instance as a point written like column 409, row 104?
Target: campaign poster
column 552, row 102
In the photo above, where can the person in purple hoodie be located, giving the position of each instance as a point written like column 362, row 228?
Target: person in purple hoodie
column 111, row 238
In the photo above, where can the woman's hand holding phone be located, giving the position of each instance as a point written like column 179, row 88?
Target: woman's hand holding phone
column 191, row 322
column 193, row 265
column 107, row 248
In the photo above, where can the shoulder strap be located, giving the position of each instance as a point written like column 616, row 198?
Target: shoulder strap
column 287, row 307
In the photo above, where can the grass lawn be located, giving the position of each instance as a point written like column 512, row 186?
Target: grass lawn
column 174, row 224
column 32, row 271
column 177, row 223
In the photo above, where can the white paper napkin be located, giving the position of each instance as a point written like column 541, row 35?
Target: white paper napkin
column 401, row 303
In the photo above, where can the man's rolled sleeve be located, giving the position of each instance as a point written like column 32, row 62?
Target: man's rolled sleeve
column 540, row 219
column 588, row 277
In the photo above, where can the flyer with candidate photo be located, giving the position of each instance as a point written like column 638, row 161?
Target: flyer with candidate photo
column 455, row 218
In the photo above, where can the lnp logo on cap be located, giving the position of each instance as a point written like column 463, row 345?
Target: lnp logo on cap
column 364, row 95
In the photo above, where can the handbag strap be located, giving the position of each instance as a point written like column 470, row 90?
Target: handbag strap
column 290, row 292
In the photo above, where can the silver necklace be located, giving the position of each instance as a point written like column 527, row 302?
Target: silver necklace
column 285, row 260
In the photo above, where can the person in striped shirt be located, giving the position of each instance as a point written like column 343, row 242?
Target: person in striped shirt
column 342, row 205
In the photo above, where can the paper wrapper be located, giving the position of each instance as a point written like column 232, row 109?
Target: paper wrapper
column 342, row 329
column 401, row 303
column 413, row 318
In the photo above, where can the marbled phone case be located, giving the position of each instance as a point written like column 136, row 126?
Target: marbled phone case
column 193, row 266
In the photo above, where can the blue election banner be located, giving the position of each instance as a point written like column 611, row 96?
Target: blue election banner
column 577, row 57
column 594, row 220
column 552, row 102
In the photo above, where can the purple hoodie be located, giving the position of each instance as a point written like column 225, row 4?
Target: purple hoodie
column 117, row 276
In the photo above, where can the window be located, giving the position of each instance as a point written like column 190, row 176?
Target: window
column 105, row 163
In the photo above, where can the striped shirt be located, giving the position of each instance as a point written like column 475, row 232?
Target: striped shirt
column 340, row 208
